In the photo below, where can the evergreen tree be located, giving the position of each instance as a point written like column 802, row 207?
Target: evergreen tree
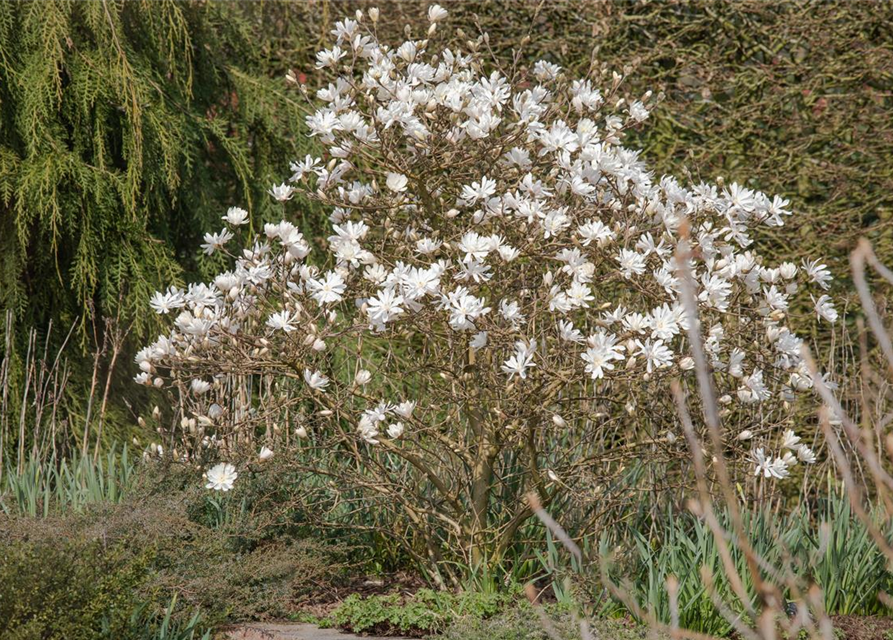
column 125, row 128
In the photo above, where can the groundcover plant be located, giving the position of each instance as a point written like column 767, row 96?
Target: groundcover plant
column 498, row 308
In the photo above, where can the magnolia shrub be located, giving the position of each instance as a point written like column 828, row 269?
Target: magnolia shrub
column 497, row 309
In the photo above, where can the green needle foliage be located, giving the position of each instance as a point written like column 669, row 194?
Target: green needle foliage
column 125, row 129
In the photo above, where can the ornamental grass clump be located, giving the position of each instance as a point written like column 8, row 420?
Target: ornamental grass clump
column 498, row 308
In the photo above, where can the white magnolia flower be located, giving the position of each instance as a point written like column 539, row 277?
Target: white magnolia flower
column 199, row 387
column 656, row 354
column 329, row 57
column 824, row 308
column 478, row 341
column 763, row 463
column 427, row 246
column 282, row 321
column 781, row 466
column 545, row 71
column 395, row 430
column 603, row 349
column 221, row 477
column 265, row 453
column 215, row 241
column 464, row 309
column 397, row 182
column 362, row 377
column 807, row 455
column 384, row 307
column 315, row 380
column 479, row 190
column 631, row 263
column 511, row 311
column 282, row 192
column 306, row 166
column 638, row 111
column 164, row 303
column 235, row 217
column 436, row 13
column 818, row 272
column 521, row 360
column 405, row 409
column 790, row 440
column 328, row 290
column 788, row 270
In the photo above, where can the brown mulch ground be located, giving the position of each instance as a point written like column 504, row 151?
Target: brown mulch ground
column 864, row 627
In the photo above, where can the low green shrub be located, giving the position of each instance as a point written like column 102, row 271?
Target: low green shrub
column 521, row 622
column 82, row 589
column 74, row 588
column 88, row 574
column 426, row 611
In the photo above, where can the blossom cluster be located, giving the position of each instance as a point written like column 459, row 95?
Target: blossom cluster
column 498, row 213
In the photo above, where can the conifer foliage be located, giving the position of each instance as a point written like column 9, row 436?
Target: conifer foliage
column 124, row 128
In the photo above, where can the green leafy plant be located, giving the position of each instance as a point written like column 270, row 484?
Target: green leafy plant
column 831, row 548
column 844, row 560
column 71, row 483
column 425, row 611
column 144, row 625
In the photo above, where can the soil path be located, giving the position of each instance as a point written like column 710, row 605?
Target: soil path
column 269, row 631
